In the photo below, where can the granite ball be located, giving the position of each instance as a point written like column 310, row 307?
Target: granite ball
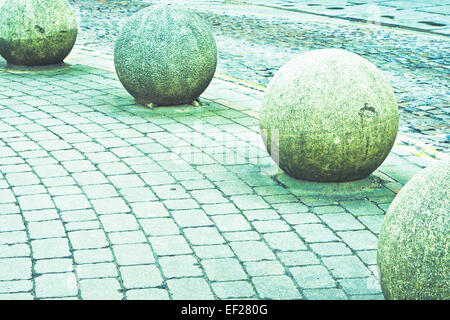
column 36, row 32
column 329, row 116
column 165, row 55
column 413, row 244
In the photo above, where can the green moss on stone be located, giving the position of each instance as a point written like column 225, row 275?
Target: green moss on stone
column 329, row 115
column 165, row 55
column 413, row 245
column 36, row 32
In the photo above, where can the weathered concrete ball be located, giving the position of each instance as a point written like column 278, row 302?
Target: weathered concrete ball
column 329, row 115
column 413, row 245
column 165, row 55
column 36, row 32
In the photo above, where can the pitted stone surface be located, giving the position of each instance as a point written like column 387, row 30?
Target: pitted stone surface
column 36, row 32
column 413, row 249
column 165, row 55
column 329, row 115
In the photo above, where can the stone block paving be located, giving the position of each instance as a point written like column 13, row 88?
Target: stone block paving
column 101, row 198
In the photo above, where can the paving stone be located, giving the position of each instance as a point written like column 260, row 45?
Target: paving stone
column 341, row 221
column 96, row 270
column 231, row 222
column 233, row 289
column 292, row 207
column 309, row 277
column 373, row 223
column 56, row 285
column 131, row 254
column 330, row 248
column 110, row 206
column 138, row 194
column 191, row 218
column 100, row 289
column 252, row 251
column 278, row 287
column 147, row 294
column 203, row 236
column 284, row 241
column 15, row 269
column 263, row 214
column 360, row 286
column 141, row 276
column 346, row 266
column 90, row 178
column 169, row 245
column 264, row 268
column 180, row 204
column 15, row 250
column 225, row 269
column 119, row 222
column 271, row 226
column 325, row 294
column 99, row 191
column 221, row 208
column 180, row 266
column 361, row 207
column 189, row 289
column 249, row 202
column 45, row 229
column 50, row 248
column 125, row 237
column 300, row 218
column 151, row 209
column 15, row 286
column 93, row 255
column 159, row 226
column 53, row 265
column 16, row 296
column 11, row 222
column 315, row 233
column 72, row 202
column 213, row 251
column 88, row 239
column 298, row 258
column 359, row 240
column 35, row 202
column 208, row 196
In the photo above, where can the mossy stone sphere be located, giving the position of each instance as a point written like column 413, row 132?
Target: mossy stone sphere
column 329, row 116
column 36, row 32
column 165, row 55
column 413, row 245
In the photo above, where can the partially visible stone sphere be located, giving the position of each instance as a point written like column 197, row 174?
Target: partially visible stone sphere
column 413, row 245
column 36, row 32
column 329, row 115
column 165, row 55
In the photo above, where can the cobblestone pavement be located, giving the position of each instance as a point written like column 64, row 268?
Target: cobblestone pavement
column 104, row 199
column 254, row 42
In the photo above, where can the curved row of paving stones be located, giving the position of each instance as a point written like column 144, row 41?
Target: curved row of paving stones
column 100, row 198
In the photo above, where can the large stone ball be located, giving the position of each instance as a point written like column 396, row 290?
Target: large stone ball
column 329, row 115
column 36, row 32
column 413, row 245
column 165, row 55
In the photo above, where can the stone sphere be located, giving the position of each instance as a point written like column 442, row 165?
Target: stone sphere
column 329, row 115
column 165, row 55
column 413, row 245
column 36, row 32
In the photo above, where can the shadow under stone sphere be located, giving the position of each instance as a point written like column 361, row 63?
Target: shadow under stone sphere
column 165, row 55
column 329, row 116
column 413, row 244
column 36, row 32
